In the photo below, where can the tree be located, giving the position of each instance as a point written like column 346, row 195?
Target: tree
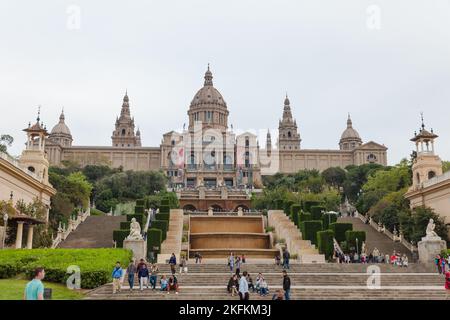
column 356, row 177
column 445, row 166
column 5, row 141
column 414, row 224
column 334, row 176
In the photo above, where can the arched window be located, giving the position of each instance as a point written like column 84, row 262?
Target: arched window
column 123, row 132
column 289, row 134
column 431, row 174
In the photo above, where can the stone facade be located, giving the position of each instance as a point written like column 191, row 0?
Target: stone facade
column 208, row 152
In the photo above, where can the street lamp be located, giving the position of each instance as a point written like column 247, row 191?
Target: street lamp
column 5, row 220
column 357, row 247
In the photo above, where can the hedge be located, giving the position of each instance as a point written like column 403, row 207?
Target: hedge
column 164, row 209
column 350, row 238
column 308, row 204
column 96, row 212
column 339, row 229
column 165, row 202
column 154, row 239
column 140, row 203
column 96, row 265
column 139, row 218
column 279, row 204
column 163, row 216
column 304, row 217
column 139, row 209
column 162, row 225
column 316, row 212
column 309, row 230
column 287, row 206
column 325, row 243
column 327, row 219
column 295, row 213
column 119, row 236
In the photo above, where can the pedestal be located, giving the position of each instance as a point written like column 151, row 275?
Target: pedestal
column 139, row 248
column 429, row 248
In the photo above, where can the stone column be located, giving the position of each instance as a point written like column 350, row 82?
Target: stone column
column 30, row 237
column 19, row 234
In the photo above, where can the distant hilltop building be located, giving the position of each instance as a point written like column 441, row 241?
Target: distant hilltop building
column 207, row 152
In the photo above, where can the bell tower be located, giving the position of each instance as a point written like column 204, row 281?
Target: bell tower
column 426, row 164
column 34, row 158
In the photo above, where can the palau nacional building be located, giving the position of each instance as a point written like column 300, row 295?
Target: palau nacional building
column 208, row 154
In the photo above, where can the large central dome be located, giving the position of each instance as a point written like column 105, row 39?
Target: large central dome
column 208, row 106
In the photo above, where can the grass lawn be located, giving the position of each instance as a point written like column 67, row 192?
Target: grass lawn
column 12, row 289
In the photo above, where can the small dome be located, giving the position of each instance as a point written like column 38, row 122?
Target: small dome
column 208, row 95
column 349, row 132
column 61, row 127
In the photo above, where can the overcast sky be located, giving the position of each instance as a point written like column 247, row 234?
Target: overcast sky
column 382, row 61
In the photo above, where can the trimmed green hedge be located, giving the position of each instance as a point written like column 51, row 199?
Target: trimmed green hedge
column 304, row 217
column 327, row 219
column 163, row 216
column 163, row 226
column 165, row 202
column 139, row 210
column 154, row 239
column 309, row 230
column 295, row 213
column 325, row 243
column 140, row 203
column 339, row 229
column 139, row 218
column 279, row 204
column 287, row 206
column 125, row 225
column 96, row 212
column 119, row 236
column 350, row 238
column 95, row 265
column 316, row 212
column 308, row 204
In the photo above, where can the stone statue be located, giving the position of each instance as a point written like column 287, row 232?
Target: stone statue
column 430, row 233
column 135, row 230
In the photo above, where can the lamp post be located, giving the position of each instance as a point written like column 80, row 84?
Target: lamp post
column 357, row 247
column 5, row 220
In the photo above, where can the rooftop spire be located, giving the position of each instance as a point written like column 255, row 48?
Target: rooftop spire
column 349, row 121
column 62, row 117
column 39, row 114
column 423, row 123
column 208, row 77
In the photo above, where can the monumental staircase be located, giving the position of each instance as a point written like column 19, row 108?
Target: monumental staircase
column 173, row 241
column 329, row 281
column 94, row 232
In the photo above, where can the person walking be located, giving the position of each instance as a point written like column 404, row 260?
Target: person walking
column 173, row 263
column 238, row 266
column 183, row 265
column 443, row 263
column 447, row 284
column 286, row 257
column 34, row 290
column 153, row 275
column 231, row 262
column 243, row 287
column 117, row 276
column 139, row 267
column 131, row 271
column 143, row 277
column 286, row 286
column 437, row 262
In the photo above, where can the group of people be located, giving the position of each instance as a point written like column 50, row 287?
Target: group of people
column 442, row 263
column 147, row 277
column 396, row 258
column 286, row 258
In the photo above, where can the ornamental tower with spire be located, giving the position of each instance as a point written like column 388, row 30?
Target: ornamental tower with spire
column 288, row 137
column 124, row 135
column 426, row 164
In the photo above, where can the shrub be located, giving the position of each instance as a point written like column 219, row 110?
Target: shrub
column 327, row 219
column 139, row 218
column 339, row 229
column 161, row 225
column 96, row 212
column 295, row 212
column 325, row 243
column 95, row 264
column 119, row 236
column 164, row 202
column 350, row 238
column 308, row 204
column 309, row 230
column 287, row 206
column 140, row 203
column 279, row 204
column 316, row 212
column 304, row 217
column 154, row 239
column 125, row 225
column 139, row 210
column 163, row 216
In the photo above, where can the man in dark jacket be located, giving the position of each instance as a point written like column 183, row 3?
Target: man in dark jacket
column 286, row 285
column 173, row 263
column 286, row 257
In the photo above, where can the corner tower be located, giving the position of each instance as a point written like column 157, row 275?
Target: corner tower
column 288, row 137
column 124, row 135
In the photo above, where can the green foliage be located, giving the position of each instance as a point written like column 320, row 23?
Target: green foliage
column 163, row 216
column 5, row 141
column 120, row 235
column 140, row 203
column 356, row 177
column 96, row 212
column 414, row 224
column 310, row 203
column 95, row 264
column 139, row 218
column 287, row 206
column 124, row 225
column 350, row 239
column 304, row 216
column 445, row 166
column 339, row 229
column 327, row 219
column 325, row 243
column 162, row 198
column 334, row 176
column 309, row 230
column 163, row 225
column 316, row 212
column 295, row 213
column 138, row 209
column 154, row 239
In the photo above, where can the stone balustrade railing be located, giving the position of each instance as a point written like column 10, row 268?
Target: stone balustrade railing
column 381, row 228
column 74, row 222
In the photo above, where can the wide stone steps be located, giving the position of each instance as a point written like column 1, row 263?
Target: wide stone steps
column 202, row 293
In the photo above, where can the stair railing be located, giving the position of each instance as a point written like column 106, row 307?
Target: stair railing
column 73, row 223
column 337, row 247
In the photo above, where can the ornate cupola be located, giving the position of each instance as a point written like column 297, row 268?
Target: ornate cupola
column 350, row 138
column 426, row 164
column 288, row 137
column 208, row 106
column 124, row 136
column 60, row 133
column 34, row 158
